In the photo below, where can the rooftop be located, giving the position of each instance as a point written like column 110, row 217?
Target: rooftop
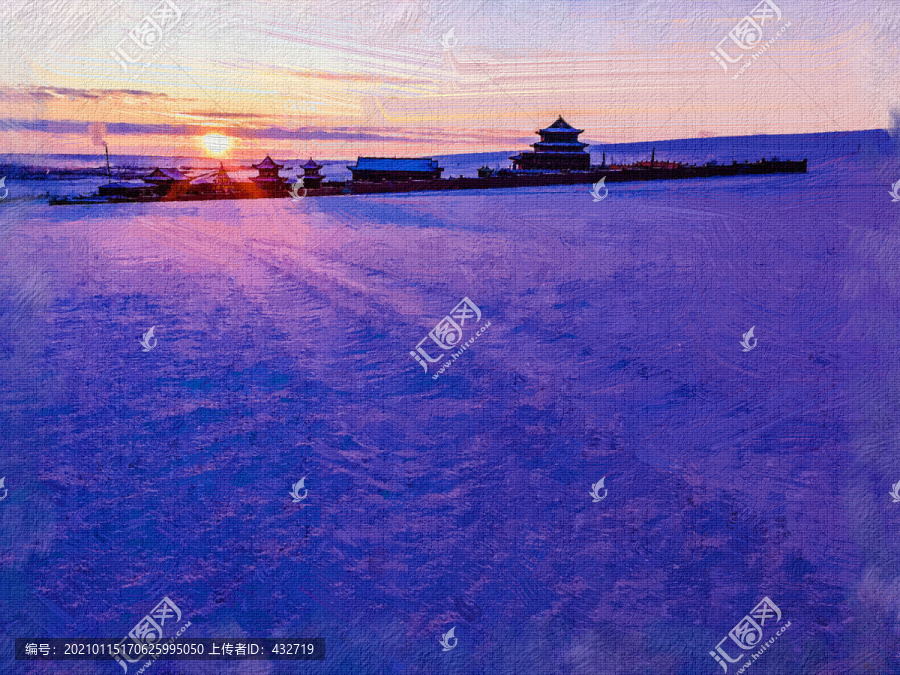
column 170, row 173
column 129, row 184
column 560, row 144
column 268, row 163
column 560, row 126
column 395, row 164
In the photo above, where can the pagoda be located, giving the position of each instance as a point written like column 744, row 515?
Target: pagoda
column 311, row 177
column 268, row 179
column 222, row 182
column 217, row 183
column 558, row 150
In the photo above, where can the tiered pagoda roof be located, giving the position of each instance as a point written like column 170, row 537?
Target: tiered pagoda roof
column 568, row 146
column 268, row 163
column 559, row 137
column 560, row 126
column 268, row 178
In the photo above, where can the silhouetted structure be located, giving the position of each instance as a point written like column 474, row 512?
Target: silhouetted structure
column 488, row 179
column 395, row 168
column 558, row 159
column 168, row 181
column 652, row 164
column 311, row 177
column 217, row 182
column 268, row 179
column 127, row 190
column 558, row 150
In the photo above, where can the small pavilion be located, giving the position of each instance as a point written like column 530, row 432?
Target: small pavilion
column 268, row 179
column 311, row 177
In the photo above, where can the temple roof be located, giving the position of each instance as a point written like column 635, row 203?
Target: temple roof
column 311, row 165
column 171, row 174
column 395, row 164
column 560, row 144
column 267, row 163
column 129, row 184
column 560, row 125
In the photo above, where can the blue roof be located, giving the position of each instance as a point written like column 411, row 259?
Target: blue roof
column 562, row 126
column 129, row 184
column 395, row 164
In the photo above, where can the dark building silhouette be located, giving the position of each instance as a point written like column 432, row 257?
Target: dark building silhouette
column 395, row 168
column 268, row 179
column 168, row 181
column 128, row 190
column 558, row 150
column 311, row 177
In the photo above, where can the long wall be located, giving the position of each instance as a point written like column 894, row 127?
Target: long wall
column 511, row 181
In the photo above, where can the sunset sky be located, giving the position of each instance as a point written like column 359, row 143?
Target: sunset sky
column 337, row 80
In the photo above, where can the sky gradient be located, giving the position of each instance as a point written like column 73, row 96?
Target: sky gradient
column 390, row 78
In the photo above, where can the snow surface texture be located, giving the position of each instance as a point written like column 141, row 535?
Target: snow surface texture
column 284, row 331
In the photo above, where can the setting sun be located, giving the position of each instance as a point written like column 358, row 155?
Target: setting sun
column 216, row 144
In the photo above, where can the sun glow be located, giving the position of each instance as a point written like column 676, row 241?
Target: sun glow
column 216, row 144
